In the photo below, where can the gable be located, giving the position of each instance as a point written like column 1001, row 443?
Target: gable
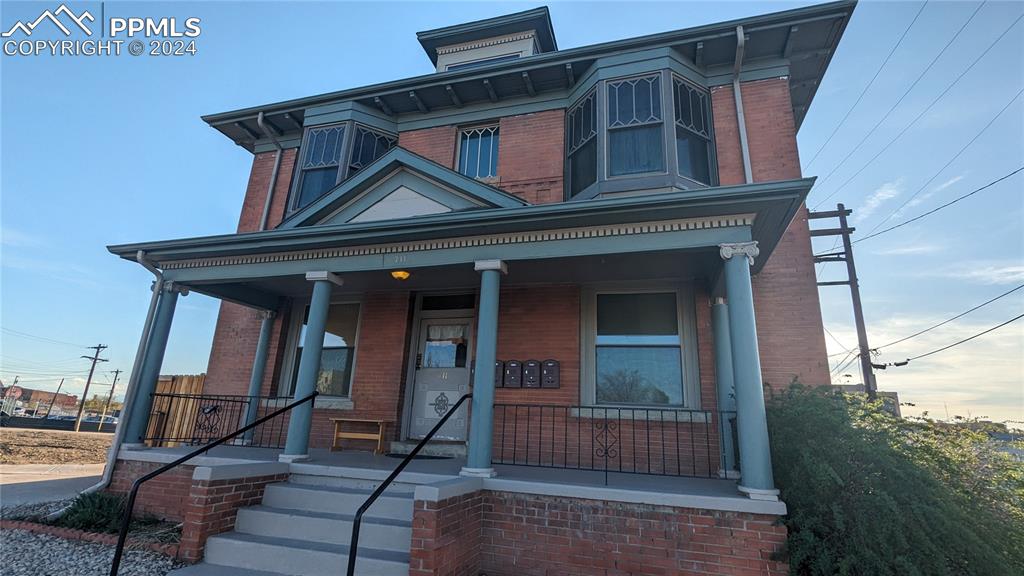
column 400, row 185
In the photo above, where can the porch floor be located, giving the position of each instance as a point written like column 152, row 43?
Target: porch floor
column 677, row 491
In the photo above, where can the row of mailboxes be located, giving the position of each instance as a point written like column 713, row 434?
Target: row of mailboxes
column 528, row 374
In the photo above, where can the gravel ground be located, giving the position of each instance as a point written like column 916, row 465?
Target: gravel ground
column 29, row 554
column 34, row 511
column 24, row 446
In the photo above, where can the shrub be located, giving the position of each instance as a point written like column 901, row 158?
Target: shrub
column 96, row 512
column 869, row 493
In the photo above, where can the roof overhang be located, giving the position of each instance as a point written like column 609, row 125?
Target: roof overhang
column 806, row 38
column 771, row 204
column 537, row 20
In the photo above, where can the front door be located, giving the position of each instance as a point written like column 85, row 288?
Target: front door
column 442, row 377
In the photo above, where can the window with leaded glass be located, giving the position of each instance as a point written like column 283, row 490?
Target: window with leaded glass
column 367, row 146
column 692, row 130
column 635, row 125
column 478, row 152
column 581, row 142
column 321, row 155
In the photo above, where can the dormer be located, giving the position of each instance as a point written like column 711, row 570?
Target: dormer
column 489, row 41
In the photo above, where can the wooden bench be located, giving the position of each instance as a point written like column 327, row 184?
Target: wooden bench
column 340, row 434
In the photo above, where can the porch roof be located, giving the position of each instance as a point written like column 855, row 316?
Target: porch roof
column 766, row 209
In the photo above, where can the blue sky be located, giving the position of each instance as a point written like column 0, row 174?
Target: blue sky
column 105, row 150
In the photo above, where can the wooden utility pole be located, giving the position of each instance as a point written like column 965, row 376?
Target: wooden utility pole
column 54, row 399
column 846, row 255
column 85, row 395
column 109, row 398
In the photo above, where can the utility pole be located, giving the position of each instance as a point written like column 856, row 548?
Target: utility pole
column 54, row 399
column 851, row 280
column 85, row 395
column 109, row 398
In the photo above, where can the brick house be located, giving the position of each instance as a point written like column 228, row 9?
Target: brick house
column 607, row 246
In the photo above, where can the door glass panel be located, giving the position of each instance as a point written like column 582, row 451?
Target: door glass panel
column 445, row 346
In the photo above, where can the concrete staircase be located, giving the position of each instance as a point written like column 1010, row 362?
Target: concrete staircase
column 303, row 528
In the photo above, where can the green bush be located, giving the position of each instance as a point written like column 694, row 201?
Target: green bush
column 95, row 512
column 869, row 493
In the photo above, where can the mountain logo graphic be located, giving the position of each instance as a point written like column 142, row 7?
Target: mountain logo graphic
column 27, row 29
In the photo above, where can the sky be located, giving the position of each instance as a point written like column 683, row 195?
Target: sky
column 100, row 150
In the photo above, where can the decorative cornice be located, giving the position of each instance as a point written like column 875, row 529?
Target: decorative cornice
column 638, row 228
column 455, row 48
column 748, row 249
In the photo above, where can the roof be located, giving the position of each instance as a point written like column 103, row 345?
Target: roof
column 538, row 20
column 805, row 37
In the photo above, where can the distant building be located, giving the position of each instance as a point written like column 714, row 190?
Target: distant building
column 890, row 399
column 29, row 397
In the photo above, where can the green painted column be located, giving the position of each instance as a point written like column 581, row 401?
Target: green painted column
column 149, row 373
column 725, row 387
column 755, row 453
column 259, row 368
column 296, row 446
column 481, row 425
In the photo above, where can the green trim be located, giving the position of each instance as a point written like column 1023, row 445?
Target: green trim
column 537, row 19
column 379, row 170
column 388, row 185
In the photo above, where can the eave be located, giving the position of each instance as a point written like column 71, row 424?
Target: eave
column 805, row 37
column 773, row 203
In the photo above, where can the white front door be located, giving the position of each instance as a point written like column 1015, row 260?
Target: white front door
column 442, row 377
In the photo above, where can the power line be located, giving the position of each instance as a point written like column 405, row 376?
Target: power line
column 40, row 338
column 908, row 90
column 916, row 118
column 968, row 339
column 870, row 83
column 944, row 322
column 934, row 210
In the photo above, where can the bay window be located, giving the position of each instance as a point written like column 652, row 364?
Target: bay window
column 331, row 154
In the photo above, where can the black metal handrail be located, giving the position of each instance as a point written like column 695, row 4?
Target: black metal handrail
column 130, row 505
column 357, row 521
column 195, row 419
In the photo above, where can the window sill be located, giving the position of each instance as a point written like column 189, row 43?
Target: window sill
column 649, row 414
column 321, row 403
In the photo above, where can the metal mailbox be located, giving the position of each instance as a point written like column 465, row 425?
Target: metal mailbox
column 513, row 374
column 550, row 374
column 531, row 374
column 499, row 373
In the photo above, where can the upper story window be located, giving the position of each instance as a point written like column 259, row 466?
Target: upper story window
column 639, row 132
column 330, row 154
column 478, row 152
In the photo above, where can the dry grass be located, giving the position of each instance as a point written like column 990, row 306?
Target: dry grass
column 24, row 446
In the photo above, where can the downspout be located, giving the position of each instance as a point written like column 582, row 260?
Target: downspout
column 741, row 42
column 133, row 380
column 273, row 176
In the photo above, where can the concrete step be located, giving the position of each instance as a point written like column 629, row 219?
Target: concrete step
column 299, row 557
column 337, row 500
column 215, row 570
column 441, row 449
column 378, row 533
column 349, row 482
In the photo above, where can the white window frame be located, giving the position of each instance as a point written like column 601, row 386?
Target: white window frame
column 688, row 350
column 289, row 366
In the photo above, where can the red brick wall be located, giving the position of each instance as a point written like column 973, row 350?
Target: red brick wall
column 437, row 144
column 530, row 156
column 446, row 536
column 501, row 533
column 256, row 191
column 205, row 507
column 789, row 326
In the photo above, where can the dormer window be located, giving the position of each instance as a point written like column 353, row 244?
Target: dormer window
column 320, row 159
column 651, row 131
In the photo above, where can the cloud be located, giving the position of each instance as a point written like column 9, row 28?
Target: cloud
column 984, row 271
column 12, row 238
column 910, row 249
column 924, row 197
column 883, row 194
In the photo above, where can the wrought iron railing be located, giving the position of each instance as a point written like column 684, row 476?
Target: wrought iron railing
column 640, row 440
column 353, row 547
column 196, row 419
column 126, row 520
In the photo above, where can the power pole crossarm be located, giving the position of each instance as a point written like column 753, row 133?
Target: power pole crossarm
column 92, row 369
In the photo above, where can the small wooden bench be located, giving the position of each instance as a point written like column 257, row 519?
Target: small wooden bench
column 340, row 434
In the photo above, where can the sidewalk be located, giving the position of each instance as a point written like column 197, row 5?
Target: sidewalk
column 30, row 483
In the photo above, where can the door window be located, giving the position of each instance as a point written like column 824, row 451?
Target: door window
column 445, row 346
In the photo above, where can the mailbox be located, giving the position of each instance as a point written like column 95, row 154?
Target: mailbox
column 550, row 374
column 499, row 373
column 513, row 374
column 531, row 374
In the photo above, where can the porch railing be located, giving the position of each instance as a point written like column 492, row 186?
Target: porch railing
column 641, row 440
column 196, row 419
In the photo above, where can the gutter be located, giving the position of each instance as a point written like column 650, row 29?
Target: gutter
column 273, row 176
column 133, row 381
column 741, row 122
